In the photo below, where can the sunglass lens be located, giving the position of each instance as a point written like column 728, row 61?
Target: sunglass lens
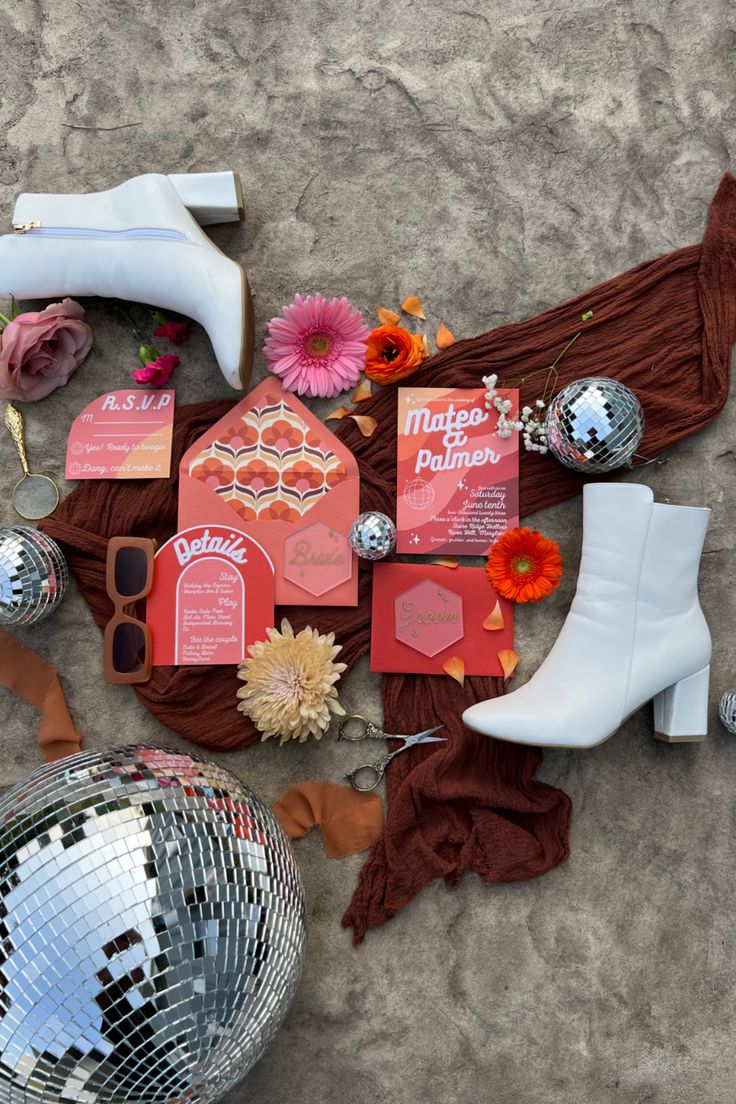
column 131, row 570
column 128, row 648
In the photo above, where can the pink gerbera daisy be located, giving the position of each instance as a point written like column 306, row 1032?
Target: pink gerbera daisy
column 317, row 346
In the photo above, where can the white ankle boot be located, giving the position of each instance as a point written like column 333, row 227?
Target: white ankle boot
column 139, row 241
column 635, row 632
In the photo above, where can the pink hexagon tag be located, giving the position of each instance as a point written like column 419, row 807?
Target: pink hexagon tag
column 428, row 617
column 317, row 558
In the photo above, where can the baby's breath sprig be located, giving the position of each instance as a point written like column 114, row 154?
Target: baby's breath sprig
column 531, row 421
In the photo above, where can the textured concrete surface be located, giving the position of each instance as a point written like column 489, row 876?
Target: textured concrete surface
column 495, row 157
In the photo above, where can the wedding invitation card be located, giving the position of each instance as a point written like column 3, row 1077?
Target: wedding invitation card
column 457, row 480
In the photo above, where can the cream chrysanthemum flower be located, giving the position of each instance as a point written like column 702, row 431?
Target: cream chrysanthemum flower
column 290, row 681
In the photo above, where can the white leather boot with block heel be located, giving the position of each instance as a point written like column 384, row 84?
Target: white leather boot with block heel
column 139, row 241
column 635, row 632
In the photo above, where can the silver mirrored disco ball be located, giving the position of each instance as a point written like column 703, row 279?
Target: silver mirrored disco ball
column 33, row 575
column 727, row 711
column 153, row 929
column 372, row 535
column 594, row 425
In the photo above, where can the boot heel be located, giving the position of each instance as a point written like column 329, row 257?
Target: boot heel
column 681, row 711
column 211, row 197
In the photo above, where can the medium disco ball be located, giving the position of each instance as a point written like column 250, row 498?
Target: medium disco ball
column 594, row 425
column 153, row 930
column 33, row 575
column 372, row 535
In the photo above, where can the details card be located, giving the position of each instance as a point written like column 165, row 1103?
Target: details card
column 123, row 435
column 424, row 614
column 457, row 480
column 212, row 596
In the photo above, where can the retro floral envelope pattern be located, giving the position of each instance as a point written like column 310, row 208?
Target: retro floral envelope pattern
column 272, row 469
column 269, row 464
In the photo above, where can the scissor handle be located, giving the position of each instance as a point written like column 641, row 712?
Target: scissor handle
column 372, row 773
column 367, row 776
column 355, row 727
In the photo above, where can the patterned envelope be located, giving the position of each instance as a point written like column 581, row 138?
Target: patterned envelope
column 272, row 469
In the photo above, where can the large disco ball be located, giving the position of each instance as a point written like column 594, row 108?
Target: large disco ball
column 153, row 929
column 594, row 425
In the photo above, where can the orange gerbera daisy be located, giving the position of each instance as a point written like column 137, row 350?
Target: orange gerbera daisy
column 524, row 566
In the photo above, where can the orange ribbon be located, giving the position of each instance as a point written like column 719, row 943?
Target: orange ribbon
column 349, row 821
column 32, row 678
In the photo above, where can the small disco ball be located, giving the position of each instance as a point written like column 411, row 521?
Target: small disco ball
column 594, row 425
column 418, row 494
column 33, row 575
column 727, row 711
column 372, row 535
column 153, row 930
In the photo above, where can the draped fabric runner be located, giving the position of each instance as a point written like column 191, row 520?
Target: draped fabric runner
column 665, row 328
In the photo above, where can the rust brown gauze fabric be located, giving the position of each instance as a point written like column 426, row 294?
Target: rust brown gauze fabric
column 665, row 328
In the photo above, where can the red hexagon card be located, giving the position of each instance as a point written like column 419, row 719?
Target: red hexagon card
column 423, row 615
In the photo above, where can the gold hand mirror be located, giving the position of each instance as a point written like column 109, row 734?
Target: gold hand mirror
column 35, row 495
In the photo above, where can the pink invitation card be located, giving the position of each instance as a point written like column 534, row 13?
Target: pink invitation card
column 457, row 480
column 123, row 435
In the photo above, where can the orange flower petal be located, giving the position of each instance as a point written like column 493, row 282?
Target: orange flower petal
column 444, row 337
column 363, row 391
column 365, row 424
column 508, row 659
column 413, row 306
column 387, row 317
column 422, row 338
column 339, row 412
column 494, row 620
column 446, row 561
column 455, row 668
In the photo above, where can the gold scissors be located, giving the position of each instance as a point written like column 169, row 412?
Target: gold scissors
column 367, row 776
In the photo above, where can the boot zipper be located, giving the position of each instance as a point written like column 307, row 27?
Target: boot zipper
column 86, row 232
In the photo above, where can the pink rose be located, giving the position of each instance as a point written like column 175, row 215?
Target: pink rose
column 175, row 332
column 157, row 373
column 39, row 350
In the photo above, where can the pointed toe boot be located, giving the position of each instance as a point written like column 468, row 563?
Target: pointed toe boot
column 635, row 632
column 139, row 241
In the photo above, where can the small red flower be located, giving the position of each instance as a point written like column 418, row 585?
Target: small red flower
column 175, row 332
column 157, row 373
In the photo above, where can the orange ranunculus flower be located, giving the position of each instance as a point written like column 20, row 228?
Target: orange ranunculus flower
column 524, row 566
column 392, row 353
